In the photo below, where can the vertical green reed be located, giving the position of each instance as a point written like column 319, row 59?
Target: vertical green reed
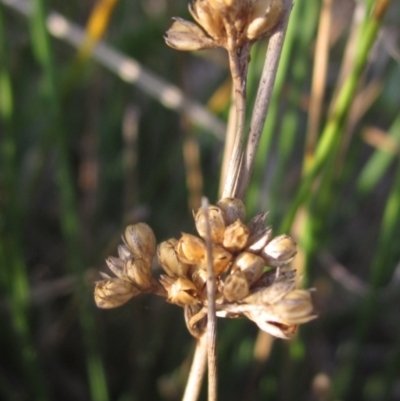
column 13, row 274
column 67, row 197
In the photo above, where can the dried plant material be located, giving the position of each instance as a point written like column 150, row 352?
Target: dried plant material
column 181, row 291
column 114, row 292
column 259, row 240
column 141, row 241
column 168, row 259
column 239, row 252
column 250, row 265
column 139, row 272
column 279, row 251
column 217, row 224
column 190, row 249
column 236, row 236
column 187, row 36
column 264, row 16
column 221, row 259
column 236, row 287
column 233, row 209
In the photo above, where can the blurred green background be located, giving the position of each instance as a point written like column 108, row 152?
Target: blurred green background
column 86, row 149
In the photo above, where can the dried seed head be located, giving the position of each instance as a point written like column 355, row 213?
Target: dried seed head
column 233, row 209
column 138, row 271
column 116, row 266
column 250, row 264
column 208, row 19
column 259, row 240
column 114, row 292
column 217, row 223
column 168, row 259
column 236, row 236
column 221, row 259
column 295, row 308
column 187, row 36
column 265, row 15
column 181, row 290
column 279, row 251
column 141, row 241
column 236, row 287
column 190, row 249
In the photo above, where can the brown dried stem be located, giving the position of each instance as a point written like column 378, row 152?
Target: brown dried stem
column 211, row 317
column 262, row 100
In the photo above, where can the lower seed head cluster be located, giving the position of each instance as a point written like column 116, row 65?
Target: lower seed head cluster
column 250, row 267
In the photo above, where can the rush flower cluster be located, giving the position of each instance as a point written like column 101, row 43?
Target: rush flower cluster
column 250, row 267
column 224, row 23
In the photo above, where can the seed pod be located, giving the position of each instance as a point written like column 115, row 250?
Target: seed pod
column 138, row 271
column 233, row 209
column 190, row 249
column 116, row 266
column 259, row 240
column 221, row 259
column 181, row 290
column 250, row 264
column 207, row 18
column 186, row 36
column 124, row 253
column 265, row 15
column 279, row 251
column 295, row 308
column 168, row 259
column 270, row 276
column 141, row 241
column 265, row 320
column 217, row 223
column 114, row 292
column 236, row 236
column 272, row 294
column 236, row 287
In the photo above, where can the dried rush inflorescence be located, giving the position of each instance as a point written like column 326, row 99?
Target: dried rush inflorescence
column 250, row 266
column 224, row 23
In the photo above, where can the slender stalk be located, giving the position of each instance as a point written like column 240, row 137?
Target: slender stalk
column 238, row 62
column 196, row 374
column 262, row 100
column 211, row 317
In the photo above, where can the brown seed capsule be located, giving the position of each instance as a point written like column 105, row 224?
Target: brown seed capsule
column 221, row 259
column 236, row 236
column 250, row 264
column 138, row 271
column 168, row 258
column 141, row 241
column 181, row 290
column 279, row 251
column 265, row 15
column 207, row 18
column 233, row 209
column 272, row 294
column 259, row 240
column 270, row 276
column 217, row 223
column 295, row 308
column 257, row 223
column 190, row 249
column 184, row 35
column 236, row 287
column 114, row 292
